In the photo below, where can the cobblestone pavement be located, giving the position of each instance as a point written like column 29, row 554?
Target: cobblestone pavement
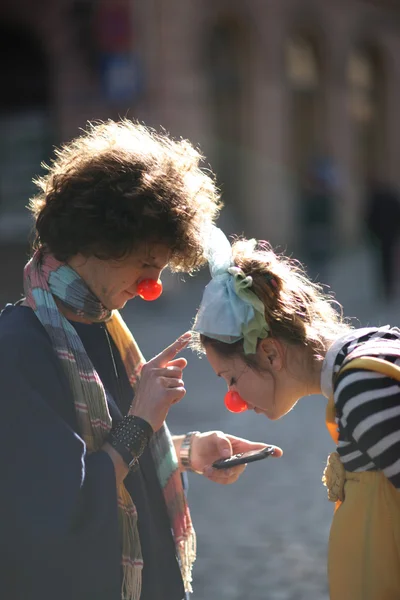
column 265, row 537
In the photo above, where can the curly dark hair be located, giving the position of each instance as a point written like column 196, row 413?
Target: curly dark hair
column 119, row 185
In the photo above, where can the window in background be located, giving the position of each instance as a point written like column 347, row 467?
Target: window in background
column 24, row 127
column 228, row 73
column 315, row 179
column 306, row 124
column 366, row 105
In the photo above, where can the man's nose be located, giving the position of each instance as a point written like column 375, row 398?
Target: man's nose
column 153, row 273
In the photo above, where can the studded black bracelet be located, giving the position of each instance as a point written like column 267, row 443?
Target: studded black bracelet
column 130, row 437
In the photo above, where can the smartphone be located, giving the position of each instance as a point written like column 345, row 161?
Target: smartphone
column 243, row 458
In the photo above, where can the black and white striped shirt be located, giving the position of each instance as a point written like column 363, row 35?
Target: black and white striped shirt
column 367, row 403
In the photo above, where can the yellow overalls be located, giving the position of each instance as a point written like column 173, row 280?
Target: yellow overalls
column 364, row 542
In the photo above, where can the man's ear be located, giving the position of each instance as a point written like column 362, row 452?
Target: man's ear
column 272, row 353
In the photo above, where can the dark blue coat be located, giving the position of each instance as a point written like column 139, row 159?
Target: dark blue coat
column 59, row 537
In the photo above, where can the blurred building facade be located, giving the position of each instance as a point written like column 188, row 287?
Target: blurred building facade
column 277, row 93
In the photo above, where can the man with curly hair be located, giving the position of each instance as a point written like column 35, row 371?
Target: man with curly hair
column 93, row 506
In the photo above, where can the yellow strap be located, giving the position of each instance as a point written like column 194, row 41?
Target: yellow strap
column 368, row 363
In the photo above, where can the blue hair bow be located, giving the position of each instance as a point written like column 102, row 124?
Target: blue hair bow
column 230, row 310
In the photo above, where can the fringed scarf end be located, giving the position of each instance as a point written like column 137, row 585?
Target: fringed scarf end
column 187, row 556
column 131, row 582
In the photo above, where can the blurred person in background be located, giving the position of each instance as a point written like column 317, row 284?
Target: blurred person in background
column 93, row 506
column 382, row 218
column 317, row 214
column 275, row 337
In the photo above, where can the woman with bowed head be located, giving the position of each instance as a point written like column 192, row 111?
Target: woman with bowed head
column 275, row 337
column 92, row 504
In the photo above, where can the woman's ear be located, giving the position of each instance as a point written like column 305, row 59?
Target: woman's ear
column 272, row 353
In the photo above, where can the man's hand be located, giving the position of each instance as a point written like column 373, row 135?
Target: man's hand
column 212, row 445
column 160, row 384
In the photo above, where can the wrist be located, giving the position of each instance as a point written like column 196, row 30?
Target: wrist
column 185, row 451
column 129, row 438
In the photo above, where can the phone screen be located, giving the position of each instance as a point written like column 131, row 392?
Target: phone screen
column 243, row 458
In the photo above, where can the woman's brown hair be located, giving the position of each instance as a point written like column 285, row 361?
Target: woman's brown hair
column 297, row 310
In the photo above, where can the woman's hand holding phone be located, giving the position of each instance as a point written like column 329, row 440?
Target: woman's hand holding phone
column 212, row 446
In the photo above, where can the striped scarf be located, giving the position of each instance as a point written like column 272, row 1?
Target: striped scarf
column 45, row 278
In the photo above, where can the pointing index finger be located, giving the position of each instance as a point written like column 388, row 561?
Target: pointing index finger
column 171, row 351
